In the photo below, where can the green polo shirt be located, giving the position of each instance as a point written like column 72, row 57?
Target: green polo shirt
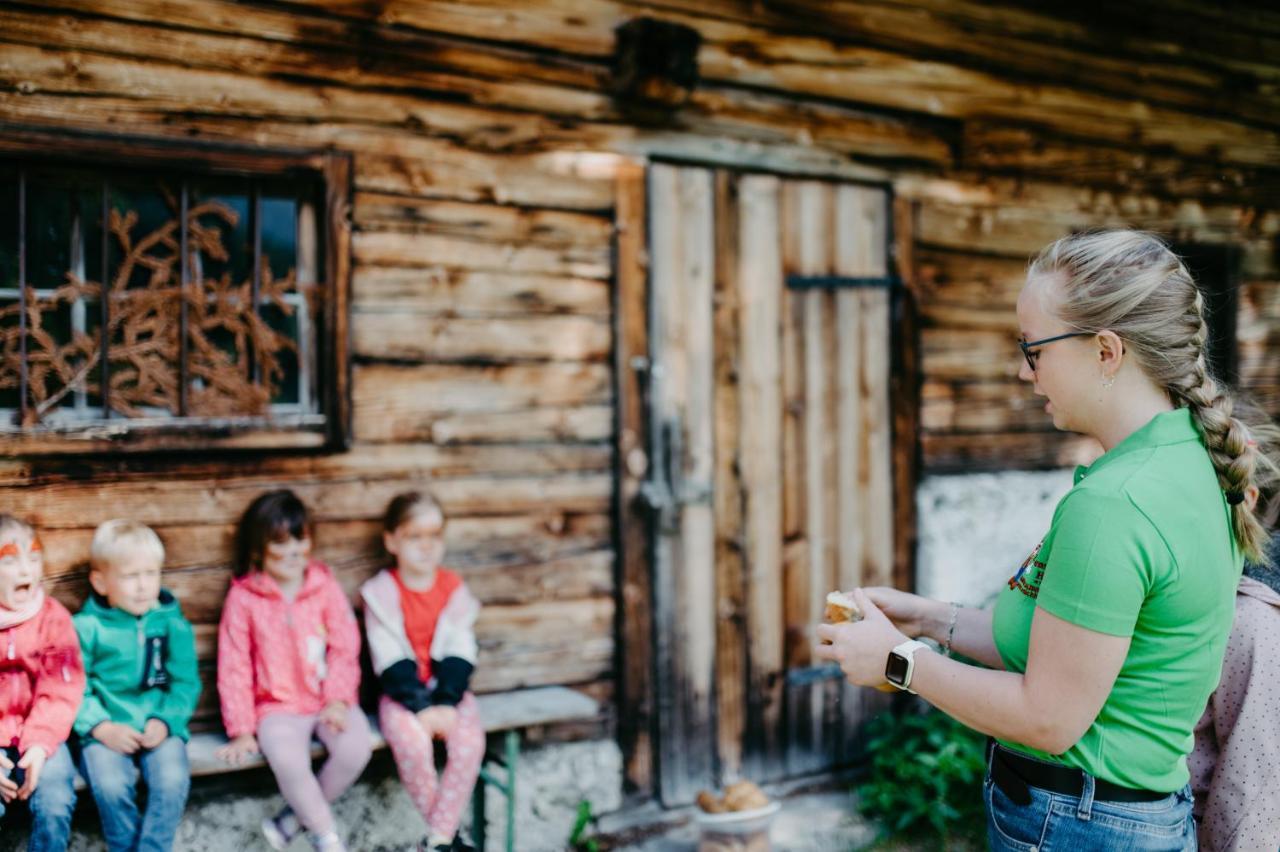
column 1141, row 547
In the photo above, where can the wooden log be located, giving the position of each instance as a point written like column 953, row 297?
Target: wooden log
column 452, row 291
column 1021, row 42
column 963, row 279
column 537, row 425
column 969, row 354
column 403, row 336
column 391, row 248
column 730, row 580
column 403, row 403
column 981, row 407
column 952, row 453
column 171, row 503
column 635, row 592
column 760, row 276
column 362, row 462
column 489, row 223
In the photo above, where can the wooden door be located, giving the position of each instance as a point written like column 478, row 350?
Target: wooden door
column 767, row 411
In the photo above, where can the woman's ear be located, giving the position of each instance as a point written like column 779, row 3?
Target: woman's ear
column 1110, row 352
column 390, row 543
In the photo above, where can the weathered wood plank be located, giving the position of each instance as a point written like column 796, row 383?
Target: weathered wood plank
column 761, row 280
column 683, row 265
column 492, row 223
column 807, row 251
column 904, row 393
column 960, row 453
column 460, row 292
column 404, row 336
column 731, row 644
column 981, row 407
column 540, row 425
column 635, row 592
column 403, row 403
column 393, row 248
column 179, row 502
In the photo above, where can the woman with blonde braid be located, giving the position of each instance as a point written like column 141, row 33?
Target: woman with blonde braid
column 1101, row 652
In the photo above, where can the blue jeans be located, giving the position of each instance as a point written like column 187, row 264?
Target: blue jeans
column 113, row 779
column 52, row 803
column 1058, row 821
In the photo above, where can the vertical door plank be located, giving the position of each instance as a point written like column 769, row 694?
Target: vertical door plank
column 681, row 384
column 635, row 733
column 861, row 224
column 761, row 283
column 731, row 639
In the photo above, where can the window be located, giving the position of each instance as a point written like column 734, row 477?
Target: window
column 170, row 298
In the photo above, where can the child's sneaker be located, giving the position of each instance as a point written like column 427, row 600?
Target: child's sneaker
column 329, row 842
column 281, row 829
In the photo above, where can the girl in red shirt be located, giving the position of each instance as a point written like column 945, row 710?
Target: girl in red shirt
column 420, row 621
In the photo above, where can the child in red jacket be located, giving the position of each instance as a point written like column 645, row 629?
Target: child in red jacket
column 288, row 670
column 41, row 687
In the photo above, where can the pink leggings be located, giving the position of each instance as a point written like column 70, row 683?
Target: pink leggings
column 440, row 801
column 285, row 740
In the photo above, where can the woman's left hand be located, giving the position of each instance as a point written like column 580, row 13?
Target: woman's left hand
column 861, row 648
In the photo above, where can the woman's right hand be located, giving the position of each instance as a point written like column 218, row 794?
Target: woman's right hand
column 238, row 749
column 914, row 615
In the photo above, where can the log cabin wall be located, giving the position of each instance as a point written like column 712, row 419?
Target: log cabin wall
column 485, row 140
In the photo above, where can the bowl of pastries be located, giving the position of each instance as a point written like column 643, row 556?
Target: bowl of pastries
column 737, row 820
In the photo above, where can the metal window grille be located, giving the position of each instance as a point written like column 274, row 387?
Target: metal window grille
column 138, row 326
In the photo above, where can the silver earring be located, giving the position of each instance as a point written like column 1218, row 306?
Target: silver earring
column 1108, row 382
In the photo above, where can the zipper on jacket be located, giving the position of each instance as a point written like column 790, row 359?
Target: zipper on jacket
column 142, row 649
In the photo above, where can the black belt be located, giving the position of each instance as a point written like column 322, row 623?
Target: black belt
column 1014, row 774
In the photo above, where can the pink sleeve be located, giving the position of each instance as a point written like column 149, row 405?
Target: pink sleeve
column 235, row 667
column 343, row 656
column 59, row 687
column 1245, row 707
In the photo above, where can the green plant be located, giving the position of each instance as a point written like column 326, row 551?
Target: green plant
column 925, row 776
column 578, row 839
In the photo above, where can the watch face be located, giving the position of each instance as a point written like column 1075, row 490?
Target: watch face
column 895, row 671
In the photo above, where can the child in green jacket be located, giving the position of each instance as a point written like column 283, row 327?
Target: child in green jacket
column 140, row 658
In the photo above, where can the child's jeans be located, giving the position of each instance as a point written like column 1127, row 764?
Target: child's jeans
column 113, row 780
column 285, row 740
column 52, row 803
column 441, row 801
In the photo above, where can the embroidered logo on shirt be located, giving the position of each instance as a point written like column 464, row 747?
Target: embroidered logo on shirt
column 1029, row 586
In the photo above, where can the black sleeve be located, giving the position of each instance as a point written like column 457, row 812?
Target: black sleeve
column 452, row 674
column 400, row 683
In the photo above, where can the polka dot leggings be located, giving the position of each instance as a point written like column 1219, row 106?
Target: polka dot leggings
column 441, row 800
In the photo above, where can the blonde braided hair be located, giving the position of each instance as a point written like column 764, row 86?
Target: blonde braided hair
column 1132, row 283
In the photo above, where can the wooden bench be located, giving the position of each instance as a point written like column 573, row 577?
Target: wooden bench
column 505, row 713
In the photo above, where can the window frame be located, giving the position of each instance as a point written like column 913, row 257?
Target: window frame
column 330, row 428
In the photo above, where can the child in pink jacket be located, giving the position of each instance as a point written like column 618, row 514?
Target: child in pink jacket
column 41, row 687
column 288, row 670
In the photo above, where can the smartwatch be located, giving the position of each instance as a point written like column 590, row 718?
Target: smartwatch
column 902, row 664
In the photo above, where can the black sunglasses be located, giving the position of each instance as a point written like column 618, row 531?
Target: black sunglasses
column 1027, row 345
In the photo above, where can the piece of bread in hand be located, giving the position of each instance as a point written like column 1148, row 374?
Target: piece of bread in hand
column 841, row 607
